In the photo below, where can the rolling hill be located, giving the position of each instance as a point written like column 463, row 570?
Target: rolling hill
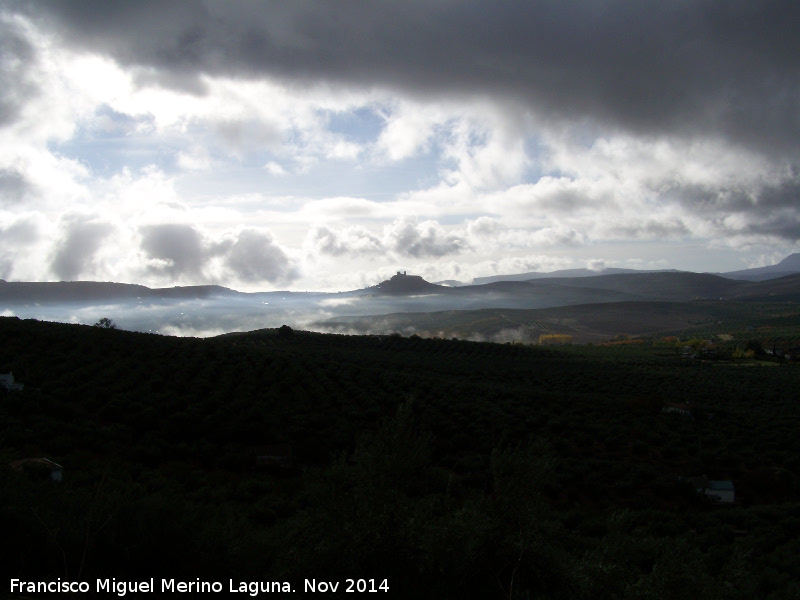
column 597, row 308
column 211, row 310
column 789, row 265
column 590, row 323
column 458, row 462
column 48, row 292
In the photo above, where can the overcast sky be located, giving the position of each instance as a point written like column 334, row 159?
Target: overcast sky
column 314, row 145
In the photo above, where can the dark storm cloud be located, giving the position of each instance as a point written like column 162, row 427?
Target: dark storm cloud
column 404, row 237
column 21, row 233
column 651, row 229
column 769, row 209
column 734, row 199
column 782, row 225
column 255, row 257
column 182, row 248
column 15, row 239
column 16, row 59
column 252, row 256
column 75, row 252
column 689, row 66
column 353, row 241
column 423, row 240
column 14, row 186
column 6, row 267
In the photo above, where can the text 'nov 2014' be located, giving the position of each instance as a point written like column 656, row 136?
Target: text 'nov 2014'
column 251, row 588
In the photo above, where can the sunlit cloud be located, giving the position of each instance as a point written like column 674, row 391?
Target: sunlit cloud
column 281, row 152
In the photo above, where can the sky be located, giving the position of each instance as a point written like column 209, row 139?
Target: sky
column 310, row 145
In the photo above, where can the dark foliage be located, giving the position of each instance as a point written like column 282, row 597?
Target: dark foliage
column 453, row 469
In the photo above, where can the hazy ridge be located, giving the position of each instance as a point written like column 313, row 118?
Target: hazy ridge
column 407, row 303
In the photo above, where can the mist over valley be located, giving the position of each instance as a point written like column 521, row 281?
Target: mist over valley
column 517, row 307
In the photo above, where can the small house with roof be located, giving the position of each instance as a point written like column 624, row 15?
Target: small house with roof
column 715, row 490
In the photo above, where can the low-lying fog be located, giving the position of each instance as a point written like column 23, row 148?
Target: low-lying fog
column 204, row 311
column 203, row 317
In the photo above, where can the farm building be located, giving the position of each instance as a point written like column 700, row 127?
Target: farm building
column 720, row 490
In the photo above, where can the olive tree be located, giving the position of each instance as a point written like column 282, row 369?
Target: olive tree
column 106, row 323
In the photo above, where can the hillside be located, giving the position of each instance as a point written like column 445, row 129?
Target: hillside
column 471, row 465
column 563, row 291
column 788, row 266
column 666, row 287
column 15, row 292
column 724, row 321
column 402, row 284
column 562, row 273
column 211, row 310
column 597, row 308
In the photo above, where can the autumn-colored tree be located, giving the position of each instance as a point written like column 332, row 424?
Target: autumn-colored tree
column 669, row 341
column 555, row 338
column 697, row 343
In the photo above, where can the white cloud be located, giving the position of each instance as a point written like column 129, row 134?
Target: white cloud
column 274, row 169
column 489, row 151
column 409, row 129
column 344, row 208
column 195, row 158
column 596, row 264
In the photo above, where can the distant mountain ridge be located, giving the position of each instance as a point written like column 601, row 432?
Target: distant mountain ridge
column 788, row 266
column 93, row 291
column 667, row 286
column 590, row 308
column 664, row 286
column 211, row 310
column 565, row 273
column 611, row 279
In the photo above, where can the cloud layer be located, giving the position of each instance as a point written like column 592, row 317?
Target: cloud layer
column 317, row 144
column 648, row 66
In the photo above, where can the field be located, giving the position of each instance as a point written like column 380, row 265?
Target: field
column 453, row 469
column 720, row 321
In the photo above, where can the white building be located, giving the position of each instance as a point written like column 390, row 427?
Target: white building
column 720, row 490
